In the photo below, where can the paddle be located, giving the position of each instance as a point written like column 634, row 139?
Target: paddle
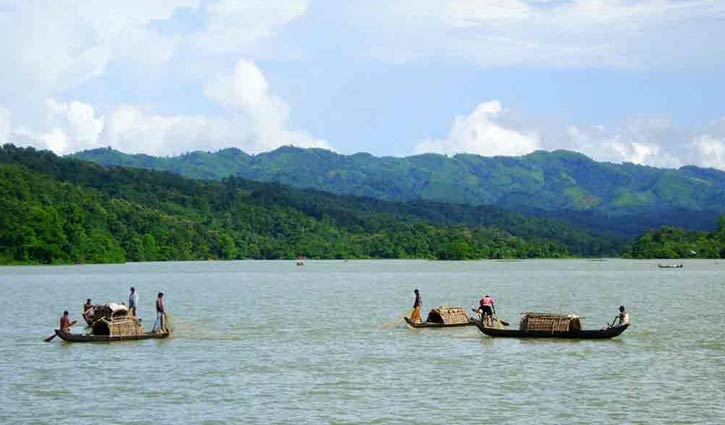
column 50, row 338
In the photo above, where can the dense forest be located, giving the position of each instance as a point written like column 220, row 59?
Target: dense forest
column 61, row 210
column 673, row 242
column 625, row 199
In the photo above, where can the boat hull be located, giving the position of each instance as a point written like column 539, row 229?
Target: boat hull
column 69, row 337
column 581, row 334
column 435, row 325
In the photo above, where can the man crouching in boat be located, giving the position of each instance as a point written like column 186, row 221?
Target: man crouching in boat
column 417, row 306
column 88, row 311
column 622, row 318
column 66, row 323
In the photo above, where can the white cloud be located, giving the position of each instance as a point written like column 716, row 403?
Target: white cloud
column 4, row 125
column 610, row 33
column 254, row 120
column 235, row 24
column 710, row 150
column 484, row 132
column 600, row 144
column 78, row 119
column 55, row 140
column 54, row 47
column 245, row 90
column 491, row 130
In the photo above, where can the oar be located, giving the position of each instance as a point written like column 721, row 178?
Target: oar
column 50, row 338
column 503, row 322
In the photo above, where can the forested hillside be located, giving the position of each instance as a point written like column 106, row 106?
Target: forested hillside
column 673, row 242
column 626, row 199
column 61, row 210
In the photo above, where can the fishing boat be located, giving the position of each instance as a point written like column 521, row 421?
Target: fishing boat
column 547, row 325
column 670, row 266
column 443, row 317
column 71, row 337
column 112, row 322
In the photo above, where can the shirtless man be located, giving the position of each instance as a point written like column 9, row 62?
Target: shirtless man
column 66, row 323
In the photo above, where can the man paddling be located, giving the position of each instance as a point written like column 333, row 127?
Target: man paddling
column 417, row 306
column 487, row 308
column 66, row 323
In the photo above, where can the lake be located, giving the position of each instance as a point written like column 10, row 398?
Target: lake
column 269, row 342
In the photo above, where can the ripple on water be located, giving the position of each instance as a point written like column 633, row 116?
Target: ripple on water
column 256, row 342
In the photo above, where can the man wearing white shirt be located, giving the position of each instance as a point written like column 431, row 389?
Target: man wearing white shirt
column 132, row 301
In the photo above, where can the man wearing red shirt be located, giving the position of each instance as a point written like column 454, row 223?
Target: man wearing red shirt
column 487, row 309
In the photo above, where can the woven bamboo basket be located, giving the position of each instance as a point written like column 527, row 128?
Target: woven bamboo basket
column 119, row 326
column 448, row 315
column 548, row 322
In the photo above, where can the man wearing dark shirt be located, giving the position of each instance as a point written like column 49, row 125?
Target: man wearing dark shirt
column 417, row 306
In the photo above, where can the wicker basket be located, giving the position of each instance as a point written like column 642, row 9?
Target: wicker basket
column 121, row 326
column 547, row 322
column 448, row 315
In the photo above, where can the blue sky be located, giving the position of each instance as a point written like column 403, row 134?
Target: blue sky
column 637, row 80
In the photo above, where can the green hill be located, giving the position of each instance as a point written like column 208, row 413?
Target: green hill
column 64, row 210
column 623, row 198
column 673, row 242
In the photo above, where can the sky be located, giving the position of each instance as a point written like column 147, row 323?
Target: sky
column 638, row 81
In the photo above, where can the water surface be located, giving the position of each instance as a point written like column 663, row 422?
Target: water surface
column 268, row 342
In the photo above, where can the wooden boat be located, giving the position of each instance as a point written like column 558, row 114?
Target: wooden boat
column 670, row 266
column 435, row 325
column 573, row 334
column 69, row 337
column 112, row 322
column 547, row 325
column 443, row 317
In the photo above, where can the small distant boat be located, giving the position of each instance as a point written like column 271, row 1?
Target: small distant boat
column 443, row 317
column 670, row 266
column 546, row 325
column 300, row 261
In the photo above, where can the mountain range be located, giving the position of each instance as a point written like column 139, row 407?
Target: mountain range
column 623, row 199
column 65, row 210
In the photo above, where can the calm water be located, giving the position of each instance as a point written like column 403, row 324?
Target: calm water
column 268, row 342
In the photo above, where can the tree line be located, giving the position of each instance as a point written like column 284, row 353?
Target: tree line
column 61, row 210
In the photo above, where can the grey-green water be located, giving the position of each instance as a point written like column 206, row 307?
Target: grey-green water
column 268, row 342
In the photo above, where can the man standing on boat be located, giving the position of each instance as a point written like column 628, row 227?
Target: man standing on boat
column 66, row 323
column 486, row 305
column 160, row 313
column 132, row 301
column 417, row 306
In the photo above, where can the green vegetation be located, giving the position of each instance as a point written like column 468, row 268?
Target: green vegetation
column 673, row 242
column 625, row 199
column 62, row 210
